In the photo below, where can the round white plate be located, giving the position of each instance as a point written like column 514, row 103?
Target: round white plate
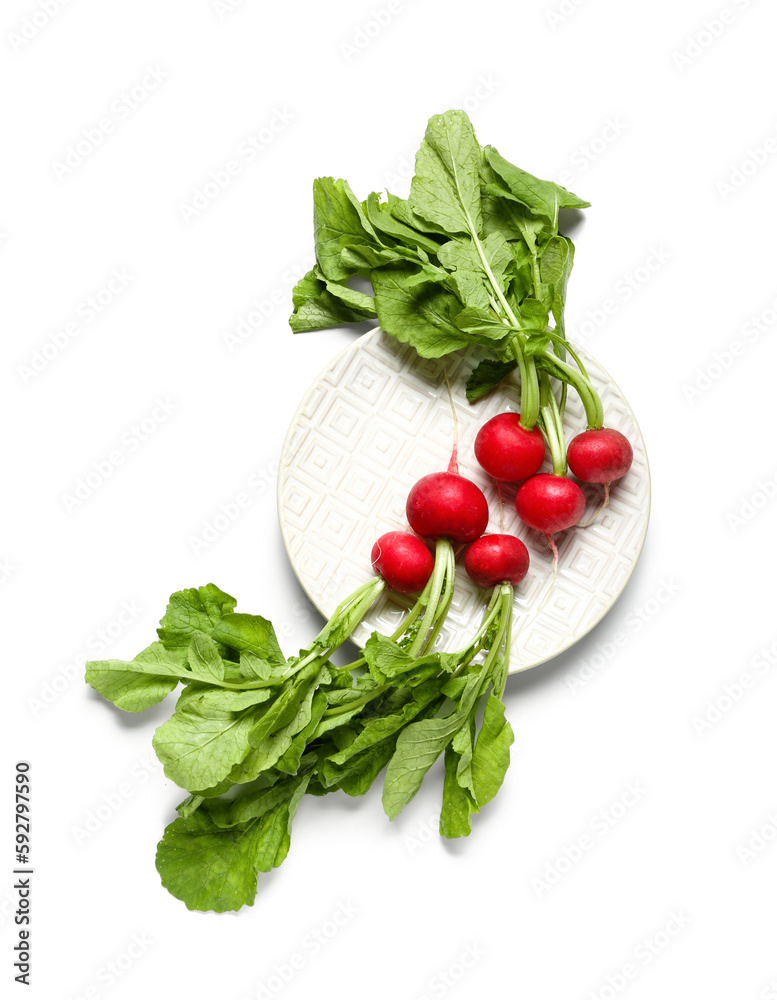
column 376, row 420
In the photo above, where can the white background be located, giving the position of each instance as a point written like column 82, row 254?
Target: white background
column 689, row 105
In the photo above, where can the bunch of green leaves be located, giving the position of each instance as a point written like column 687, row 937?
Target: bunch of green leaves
column 474, row 256
column 253, row 731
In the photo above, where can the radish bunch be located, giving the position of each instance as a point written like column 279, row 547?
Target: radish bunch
column 551, row 502
column 474, row 256
column 468, row 726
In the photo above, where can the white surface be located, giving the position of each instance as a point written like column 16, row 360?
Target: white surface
column 690, row 623
column 376, row 419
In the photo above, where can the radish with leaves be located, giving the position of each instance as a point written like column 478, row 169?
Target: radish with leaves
column 550, row 502
column 474, row 256
column 250, row 717
column 476, row 757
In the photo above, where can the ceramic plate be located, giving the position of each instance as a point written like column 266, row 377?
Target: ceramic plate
column 376, row 420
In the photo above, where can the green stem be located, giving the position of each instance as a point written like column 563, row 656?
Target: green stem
column 470, row 652
column 530, row 392
column 552, row 428
column 582, row 384
column 357, row 702
column 532, row 245
column 529, row 409
column 508, row 643
column 353, row 607
column 188, row 678
column 504, row 618
column 562, row 341
column 445, row 601
column 442, row 563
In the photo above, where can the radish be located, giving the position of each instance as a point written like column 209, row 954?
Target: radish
column 600, row 455
column 449, row 508
column 446, row 505
column 508, row 451
column 495, row 559
column 403, row 561
column 550, row 503
column 501, row 562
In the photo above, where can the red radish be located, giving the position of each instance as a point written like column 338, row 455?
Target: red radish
column 446, row 505
column 550, row 503
column 495, row 559
column 599, row 456
column 403, row 561
column 507, row 451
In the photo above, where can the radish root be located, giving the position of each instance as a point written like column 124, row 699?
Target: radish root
column 584, row 524
column 453, row 465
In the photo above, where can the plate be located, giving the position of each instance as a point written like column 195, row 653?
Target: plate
column 376, row 420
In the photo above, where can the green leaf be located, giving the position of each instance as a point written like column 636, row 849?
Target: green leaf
column 536, row 343
column 191, row 611
column 287, row 706
column 189, row 805
column 457, row 804
column 222, row 699
column 379, row 214
column 534, row 315
column 376, row 730
column 252, row 633
column 358, row 302
column 255, row 668
column 201, row 742
column 543, row 197
column 492, row 752
column 319, row 304
column 463, row 258
column 504, row 215
column 387, row 660
column 419, row 314
column 206, row 867
column 400, row 209
column 483, row 323
column 275, row 830
column 210, row 867
column 419, row 746
column 204, row 659
column 267, row 752
column 522, row 274
column 250, row 805
column 356, row 775
column 445, row 189
column 338, row 222
column 363, row 258
column 137, row 684
column 291, row 758
column 486, row 376
column 558, row 256
column 463, row 744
